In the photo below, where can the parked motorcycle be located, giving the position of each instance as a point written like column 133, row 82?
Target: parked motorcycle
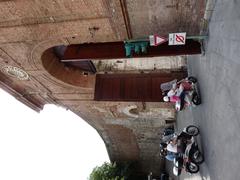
column 189, row 160
column 191, row 97
column 181, row 163
column 187, row 133
column 189, row 156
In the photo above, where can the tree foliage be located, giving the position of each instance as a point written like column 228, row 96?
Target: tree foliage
column 110, row 171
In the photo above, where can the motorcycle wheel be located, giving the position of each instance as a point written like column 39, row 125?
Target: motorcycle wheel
column 192, row 79
column 197, row 157
column 192, row 168
column 192, row 130
column 196, row 99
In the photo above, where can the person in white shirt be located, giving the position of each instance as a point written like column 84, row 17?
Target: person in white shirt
column 171, row 150
column 172, row 147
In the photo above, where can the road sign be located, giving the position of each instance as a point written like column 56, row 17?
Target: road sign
column 177, row 38
column 156, row 40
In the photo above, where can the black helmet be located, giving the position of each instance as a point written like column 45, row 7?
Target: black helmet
column 163, row 145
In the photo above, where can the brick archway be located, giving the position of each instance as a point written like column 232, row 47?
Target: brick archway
column 106, row 117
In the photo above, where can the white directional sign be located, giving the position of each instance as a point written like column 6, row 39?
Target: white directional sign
column 156, row 40
column 177, row 38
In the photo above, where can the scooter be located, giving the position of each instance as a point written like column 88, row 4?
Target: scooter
column 185, row 135
column 191, row 97
column 189, row 160
column 182, row 162
column 193, row 152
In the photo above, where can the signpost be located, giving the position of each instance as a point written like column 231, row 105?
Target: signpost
column 156, row 40
column 177, row 38
column 140, row 45
column 173, row 39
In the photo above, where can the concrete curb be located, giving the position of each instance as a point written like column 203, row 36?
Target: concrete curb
column 210, row 5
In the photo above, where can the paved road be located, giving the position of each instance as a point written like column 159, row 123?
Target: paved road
column 219, row 78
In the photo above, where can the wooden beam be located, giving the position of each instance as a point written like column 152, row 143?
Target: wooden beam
column 116, row 50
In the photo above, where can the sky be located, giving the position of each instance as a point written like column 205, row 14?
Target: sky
column 52, row 144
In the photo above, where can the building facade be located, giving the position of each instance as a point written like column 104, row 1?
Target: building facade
column 120, row 97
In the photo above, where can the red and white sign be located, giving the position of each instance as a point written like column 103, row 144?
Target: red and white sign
column 156, row 40
column 177, row 38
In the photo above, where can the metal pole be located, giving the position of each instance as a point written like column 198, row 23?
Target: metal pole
column 137, row 40
column 199, row 37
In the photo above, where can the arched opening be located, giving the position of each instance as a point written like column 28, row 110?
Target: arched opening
column 50, row 144
column 69, row 74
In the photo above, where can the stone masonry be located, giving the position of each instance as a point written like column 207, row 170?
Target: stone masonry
column 29, row 29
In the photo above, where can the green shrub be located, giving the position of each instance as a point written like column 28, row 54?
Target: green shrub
column 110, row 171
